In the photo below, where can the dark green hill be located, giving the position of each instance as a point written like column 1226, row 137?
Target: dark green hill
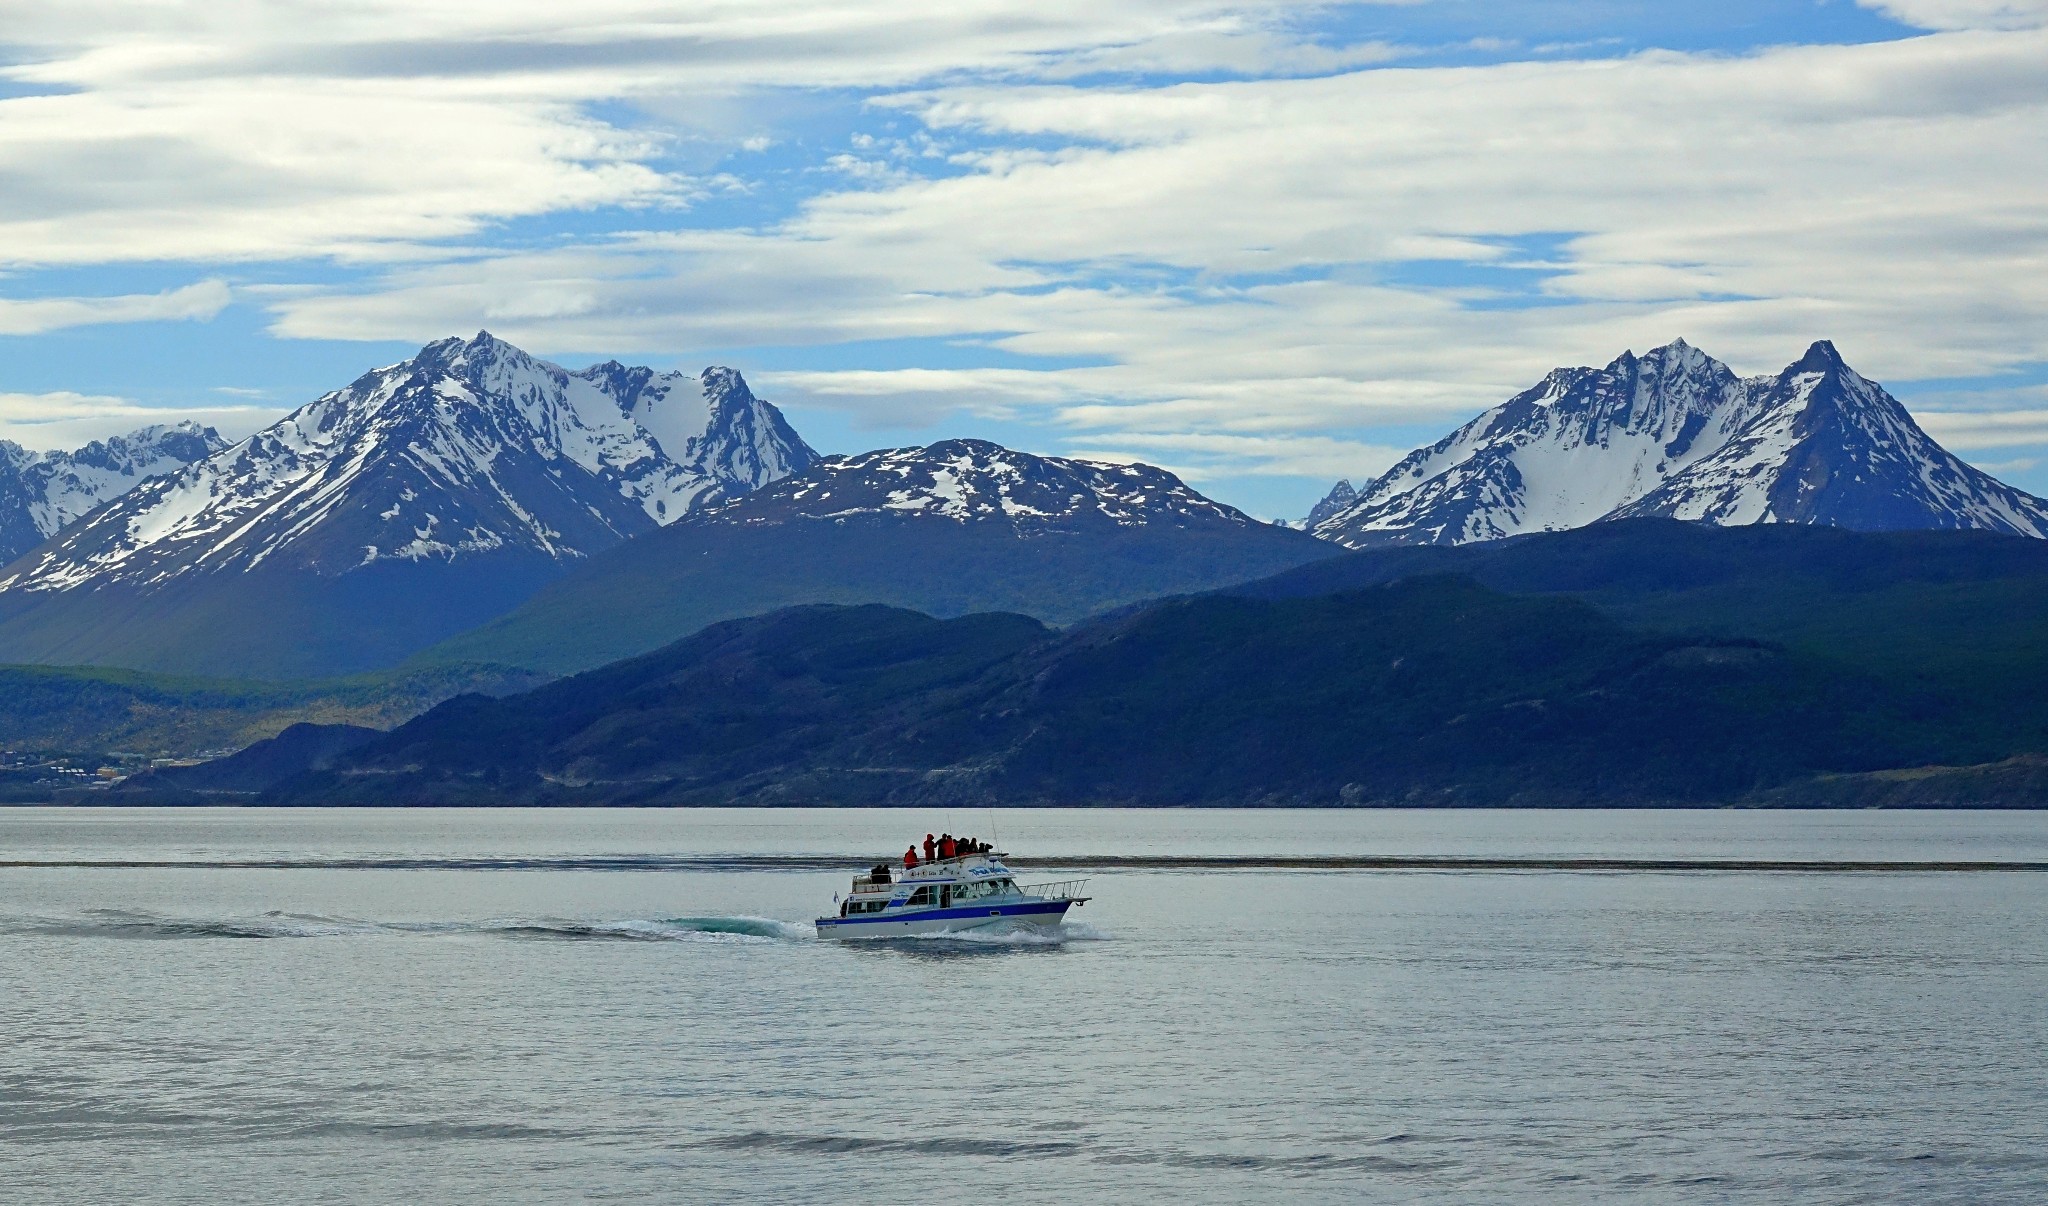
column 1962, row 613
column 300, row 747
column 1432, row 690
column 96, row 711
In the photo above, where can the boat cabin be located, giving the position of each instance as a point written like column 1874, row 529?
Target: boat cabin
column 941, row 884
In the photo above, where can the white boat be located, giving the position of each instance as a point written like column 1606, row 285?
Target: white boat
column 949, row 895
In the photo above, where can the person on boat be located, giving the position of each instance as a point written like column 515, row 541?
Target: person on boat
column 947, row 846
column 931, row 847
column 909, row 857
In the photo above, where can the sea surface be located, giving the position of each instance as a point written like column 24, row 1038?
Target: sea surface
column 486, row 1005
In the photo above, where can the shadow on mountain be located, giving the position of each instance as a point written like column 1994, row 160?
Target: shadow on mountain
column 1427, row 690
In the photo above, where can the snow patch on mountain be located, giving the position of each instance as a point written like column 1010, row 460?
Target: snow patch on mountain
column 471, row 446
column 42, row 492
column 1675, row 433
column 975, row 481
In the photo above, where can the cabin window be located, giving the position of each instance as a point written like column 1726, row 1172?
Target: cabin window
column 923, row 896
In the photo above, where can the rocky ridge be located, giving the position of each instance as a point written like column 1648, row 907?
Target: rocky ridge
column 1675, row 433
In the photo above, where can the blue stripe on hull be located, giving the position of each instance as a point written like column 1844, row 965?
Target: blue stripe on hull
column 1035, row 908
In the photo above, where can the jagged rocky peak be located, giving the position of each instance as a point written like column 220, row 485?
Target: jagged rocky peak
column 152, row 449
column 1821, row 357
column 472, row 447
column 43, row 492
column 1340, row 496
column 1675, row 433
column 1561, row 454
column 976, row 481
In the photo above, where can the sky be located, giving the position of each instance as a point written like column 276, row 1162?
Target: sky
column 1263, row 244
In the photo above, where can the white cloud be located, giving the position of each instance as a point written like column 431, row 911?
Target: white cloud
column 1233, row 262
column 1971, row 430
column 1225, row 254
column 1196, row 457
column 34, row 316
column 200, row 131
column 225, row 169
column 63, row 420
column 1964, row 14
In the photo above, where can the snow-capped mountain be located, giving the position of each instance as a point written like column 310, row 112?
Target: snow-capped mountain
column 956, row 527
column 1822, row 444
column 423, row 499
column 975, row 481
column 469, row 448
column 1675, row 433
column 40, row 492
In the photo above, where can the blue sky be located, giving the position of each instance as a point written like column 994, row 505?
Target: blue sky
column 1263, row 244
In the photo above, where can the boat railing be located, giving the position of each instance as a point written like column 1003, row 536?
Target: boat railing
column 1065, row 889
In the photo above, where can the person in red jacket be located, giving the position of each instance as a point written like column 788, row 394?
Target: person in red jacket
column 947, row 847
column 909, row 857
column 931, row 847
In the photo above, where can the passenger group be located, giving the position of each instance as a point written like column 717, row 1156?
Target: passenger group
column 943, row 847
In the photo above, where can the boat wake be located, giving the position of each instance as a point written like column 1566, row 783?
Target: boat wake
column 1022, row 935
column 123, row 923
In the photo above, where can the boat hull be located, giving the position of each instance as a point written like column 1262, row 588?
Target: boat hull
column 1041, row 914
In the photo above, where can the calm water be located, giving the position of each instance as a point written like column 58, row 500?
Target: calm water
column 205, row 1033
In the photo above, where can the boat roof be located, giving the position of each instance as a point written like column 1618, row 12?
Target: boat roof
column 953, row 870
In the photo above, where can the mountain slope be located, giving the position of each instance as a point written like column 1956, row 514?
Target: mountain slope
column 1963, row 614
column 42, row 492
column 1428, row 691
column 422, row 499
column 1675, row 433
column 99, row 711
column 956, row 527
column 1827, row 446
column 299, row 748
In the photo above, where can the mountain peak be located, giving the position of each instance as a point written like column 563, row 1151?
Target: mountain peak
column 1676, row 434
column 1340, row 496
column 1676, row 356
column 1821, row 357
column 971, row 481
column 455, row 353
column 42, row 492
column 472, row 450
column 724, row 385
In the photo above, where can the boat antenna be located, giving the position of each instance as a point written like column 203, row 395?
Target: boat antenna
column 995, row 840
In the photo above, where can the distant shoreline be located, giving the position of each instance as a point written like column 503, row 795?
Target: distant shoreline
column 1104, row 862
column 99, row 801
